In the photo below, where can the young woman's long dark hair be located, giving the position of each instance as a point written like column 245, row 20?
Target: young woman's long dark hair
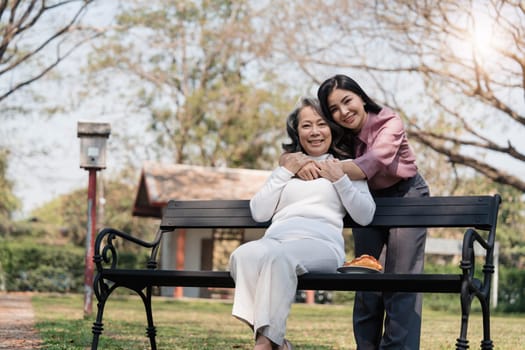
column 343, row 138
column 292, row 125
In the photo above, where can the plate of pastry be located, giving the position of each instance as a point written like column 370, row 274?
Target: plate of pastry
column 363, row 264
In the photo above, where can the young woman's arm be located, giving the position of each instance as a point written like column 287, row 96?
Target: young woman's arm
column 310, row 171
column 352, row 170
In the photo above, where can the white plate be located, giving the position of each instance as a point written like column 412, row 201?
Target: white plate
column 356, row 269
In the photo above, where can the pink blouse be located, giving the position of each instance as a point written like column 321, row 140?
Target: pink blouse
column 383, row 152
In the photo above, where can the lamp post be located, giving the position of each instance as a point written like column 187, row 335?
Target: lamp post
column 93, row 137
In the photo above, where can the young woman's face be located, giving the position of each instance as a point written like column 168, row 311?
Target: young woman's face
column 347, row 109
column 315, row 135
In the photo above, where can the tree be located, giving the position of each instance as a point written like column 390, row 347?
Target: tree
column 35, row 37
column 8, row 201
column 190, row 66
column 34, row 42
column 454, row 69
column 66, row 214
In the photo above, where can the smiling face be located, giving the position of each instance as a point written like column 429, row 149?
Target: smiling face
column 314, row 132
column 347, row 109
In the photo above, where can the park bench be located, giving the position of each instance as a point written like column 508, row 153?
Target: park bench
column 478, row 214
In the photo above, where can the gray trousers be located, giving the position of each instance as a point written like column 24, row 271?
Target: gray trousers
column 400, row 250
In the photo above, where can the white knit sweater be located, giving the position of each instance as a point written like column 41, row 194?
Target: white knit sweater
column 311, row 209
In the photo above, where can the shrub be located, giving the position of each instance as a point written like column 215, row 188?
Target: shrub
column 28, row 266
column 511, row 291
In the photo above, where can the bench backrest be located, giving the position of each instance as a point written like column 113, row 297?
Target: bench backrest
column 459, row 211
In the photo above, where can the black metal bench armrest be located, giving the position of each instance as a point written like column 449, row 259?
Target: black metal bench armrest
column 468, row 262
column 106, row 252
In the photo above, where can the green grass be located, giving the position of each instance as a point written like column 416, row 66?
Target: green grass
column 208, row 324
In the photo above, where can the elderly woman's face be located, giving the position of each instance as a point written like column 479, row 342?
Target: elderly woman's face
column 315, row 135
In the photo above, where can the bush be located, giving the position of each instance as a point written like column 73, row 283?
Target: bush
column 511, row 291
column 28, row 266
column 49, row 279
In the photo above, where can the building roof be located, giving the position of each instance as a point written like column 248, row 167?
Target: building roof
column 160, row 183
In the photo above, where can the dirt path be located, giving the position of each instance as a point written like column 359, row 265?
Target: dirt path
column 17, row 330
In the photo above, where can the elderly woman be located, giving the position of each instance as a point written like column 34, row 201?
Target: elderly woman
column 306, row 230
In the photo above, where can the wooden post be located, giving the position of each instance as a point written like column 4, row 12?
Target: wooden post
column 93, row 138
column 178, row 292
column 90, row 242
column 310, row 297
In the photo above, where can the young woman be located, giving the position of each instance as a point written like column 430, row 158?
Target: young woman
column 306, row 230
column 375, row 138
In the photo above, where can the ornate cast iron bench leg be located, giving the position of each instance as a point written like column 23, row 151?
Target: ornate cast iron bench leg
column 487, row 343
column 466, row 301
column 102, row 292
column 151, row 331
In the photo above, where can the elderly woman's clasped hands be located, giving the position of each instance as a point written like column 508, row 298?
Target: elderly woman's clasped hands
column 308, row 169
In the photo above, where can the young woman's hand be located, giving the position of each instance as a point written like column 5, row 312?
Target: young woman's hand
column 294, row 161
column 309, row 171
column 331, row 169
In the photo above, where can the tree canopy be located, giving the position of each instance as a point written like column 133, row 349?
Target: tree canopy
column 454, row 69
column 8, row 201
column 187, row 65
column 215, row 74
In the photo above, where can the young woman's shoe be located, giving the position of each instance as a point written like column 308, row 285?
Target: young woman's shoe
column 287, row 345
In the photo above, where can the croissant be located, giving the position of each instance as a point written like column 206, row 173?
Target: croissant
column 365, row 260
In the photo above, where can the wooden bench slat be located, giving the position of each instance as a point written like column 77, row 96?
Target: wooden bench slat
column 412, row 212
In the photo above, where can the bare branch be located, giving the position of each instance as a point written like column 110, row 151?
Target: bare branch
column 46, row 42
column 59, row 59
column 492, row 173
column 22, row 22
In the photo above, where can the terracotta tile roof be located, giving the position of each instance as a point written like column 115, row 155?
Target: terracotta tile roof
column 161, row 182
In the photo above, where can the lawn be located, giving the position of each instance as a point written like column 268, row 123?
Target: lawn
column 208, row 324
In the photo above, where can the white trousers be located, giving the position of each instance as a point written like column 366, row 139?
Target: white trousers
column 265, row 273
